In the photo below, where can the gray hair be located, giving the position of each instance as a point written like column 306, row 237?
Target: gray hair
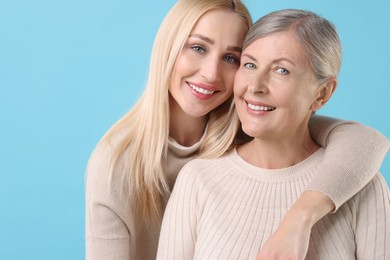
column 316, row 36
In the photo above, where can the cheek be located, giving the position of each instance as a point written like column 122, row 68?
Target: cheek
column 291, row 103
column 310, row 98
column 228, row 76
column 239, row 83
column 301, row 103
column 183, row 65
column 176, row 69
column 239, row 108
column 174, row 81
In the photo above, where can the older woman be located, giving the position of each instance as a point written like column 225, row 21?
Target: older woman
column 227, row 208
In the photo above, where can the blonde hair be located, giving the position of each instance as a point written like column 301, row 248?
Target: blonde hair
column 144, row 147
column 316, row 35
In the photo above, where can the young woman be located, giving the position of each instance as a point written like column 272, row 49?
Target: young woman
column 228, row 207
column 185, row 112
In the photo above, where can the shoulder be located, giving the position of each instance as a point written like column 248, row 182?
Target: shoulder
column 201, row 169
column 107, row 195
column 203, row 164
column 105, row 149
column 377, row 184
column 376, row 192
column 98, row 172
column 99, row 161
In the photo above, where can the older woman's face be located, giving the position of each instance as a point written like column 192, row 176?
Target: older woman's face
column 275, row 88
column 204, row 71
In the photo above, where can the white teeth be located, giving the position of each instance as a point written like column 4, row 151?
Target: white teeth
column 201, row 90
column 260, row 108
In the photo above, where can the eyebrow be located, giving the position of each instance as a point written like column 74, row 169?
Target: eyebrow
column 249, row 56
column 210, row 41
column 276, row 60
column 285, row 59
column 202, row 37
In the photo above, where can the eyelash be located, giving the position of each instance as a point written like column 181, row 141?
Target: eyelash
column 252, row 66
column 279, row 70
column 285, row 71
column 228, row 58
column 198, row 48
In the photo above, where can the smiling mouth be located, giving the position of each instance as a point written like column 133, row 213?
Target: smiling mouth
column 260, row 108
column 201, row 90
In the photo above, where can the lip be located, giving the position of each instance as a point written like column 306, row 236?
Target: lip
column 263, row 107
column 204, row 91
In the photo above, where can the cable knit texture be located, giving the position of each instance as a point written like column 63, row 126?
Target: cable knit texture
column 227, row 208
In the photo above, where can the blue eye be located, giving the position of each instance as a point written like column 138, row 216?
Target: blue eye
column 282, row 71
column 250, row 66
column 198, row 48
column 230, row 59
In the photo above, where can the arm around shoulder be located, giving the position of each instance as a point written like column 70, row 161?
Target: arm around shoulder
column 354, row 154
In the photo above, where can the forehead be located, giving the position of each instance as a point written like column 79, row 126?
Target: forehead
column 276, row 45
column 221, row 23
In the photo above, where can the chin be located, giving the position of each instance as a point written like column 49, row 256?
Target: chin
column 256, row 130
column 250, row 131
column 196, row 113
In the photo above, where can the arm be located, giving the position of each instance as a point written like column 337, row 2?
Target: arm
column 373, row 221
column 353, row 155
column 294, row 230
column 178, row 231
column 107, row 235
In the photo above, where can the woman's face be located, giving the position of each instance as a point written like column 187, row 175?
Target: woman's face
column 203, row 74
column 275, row 88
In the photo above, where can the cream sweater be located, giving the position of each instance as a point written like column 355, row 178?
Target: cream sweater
column 227, row 208
column 353, row 156
column 112, row 231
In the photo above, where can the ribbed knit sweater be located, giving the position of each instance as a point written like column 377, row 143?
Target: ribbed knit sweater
column 226, row 209
column 353, row 156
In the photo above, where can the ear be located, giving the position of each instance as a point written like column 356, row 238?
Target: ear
column 325, row 92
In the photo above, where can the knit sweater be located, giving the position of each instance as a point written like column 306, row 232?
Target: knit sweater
column 353, row 156
column 226, row 209
column 112, row 231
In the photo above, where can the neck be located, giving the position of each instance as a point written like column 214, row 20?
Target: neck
column 185, row 129
column 278, row 153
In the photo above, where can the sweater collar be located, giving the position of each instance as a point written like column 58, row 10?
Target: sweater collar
column 184, row 151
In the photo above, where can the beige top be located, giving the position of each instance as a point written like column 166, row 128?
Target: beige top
column 111, row 229
column 226, row 209
column 353, row 156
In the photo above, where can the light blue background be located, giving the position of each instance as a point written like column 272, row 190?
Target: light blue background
column 70, row 69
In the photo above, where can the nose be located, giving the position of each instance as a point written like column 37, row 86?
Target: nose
column 259, row 83
column 211, row 69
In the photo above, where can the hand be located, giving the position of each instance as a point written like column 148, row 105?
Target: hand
column 290, row 241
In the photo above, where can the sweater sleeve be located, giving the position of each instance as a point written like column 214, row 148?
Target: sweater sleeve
column 178, row 231
column 354, row 154
column 373, row 221
column 107, row 236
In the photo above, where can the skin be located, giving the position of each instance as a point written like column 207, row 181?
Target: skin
column 203, row 74
column 294, row 230
column 275, row 94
